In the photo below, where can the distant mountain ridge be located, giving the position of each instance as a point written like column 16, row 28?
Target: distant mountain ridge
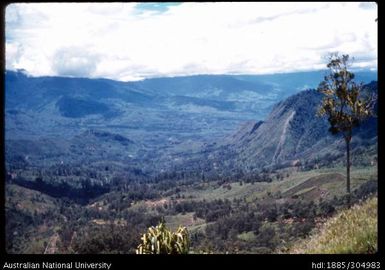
column 292, row 131
column 164, row 117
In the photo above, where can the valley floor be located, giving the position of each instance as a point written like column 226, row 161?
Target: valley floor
column 221, row 216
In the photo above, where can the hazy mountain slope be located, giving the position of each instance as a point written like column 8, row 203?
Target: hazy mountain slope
column 286, row 131
column 167, row 119
column 290, row 83
column 58, row 106
column 203, row 85
column 293, row 131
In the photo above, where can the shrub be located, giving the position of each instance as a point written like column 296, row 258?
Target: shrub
column 160, row 240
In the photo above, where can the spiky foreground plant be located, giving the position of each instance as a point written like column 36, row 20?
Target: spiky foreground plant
column 160, row 240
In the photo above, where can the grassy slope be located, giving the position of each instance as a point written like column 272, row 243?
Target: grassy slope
column 187, row 220
column 296, row 179
column 304, row 183
column 350, row 231
column 31, row 202
column 27, row 200
column 336, row 186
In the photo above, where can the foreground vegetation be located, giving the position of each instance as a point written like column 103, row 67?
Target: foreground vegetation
column 265, row 214
column 160, row 240
column 350, row 231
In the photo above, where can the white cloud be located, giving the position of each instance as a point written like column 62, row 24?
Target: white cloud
column 126, row 41
column 13, row 54
column 73, row 61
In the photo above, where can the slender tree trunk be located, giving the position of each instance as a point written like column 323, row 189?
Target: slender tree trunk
column 347, row 139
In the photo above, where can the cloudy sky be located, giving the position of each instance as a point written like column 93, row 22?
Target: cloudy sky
column 131, row 41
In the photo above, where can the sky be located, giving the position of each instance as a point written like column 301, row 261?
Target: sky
column 133, row 41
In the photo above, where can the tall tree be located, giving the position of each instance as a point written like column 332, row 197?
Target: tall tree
column 345, row 103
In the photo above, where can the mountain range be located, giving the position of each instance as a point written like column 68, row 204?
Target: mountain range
column 294, row 133
column 249, row 120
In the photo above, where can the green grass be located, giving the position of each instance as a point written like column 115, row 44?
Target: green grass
column 304, row 191
column 260, row 190
column 359, row 175
column 187, row 220
column 211, row 192
column 28, row 200
column 350, row 231
column 247, row 236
